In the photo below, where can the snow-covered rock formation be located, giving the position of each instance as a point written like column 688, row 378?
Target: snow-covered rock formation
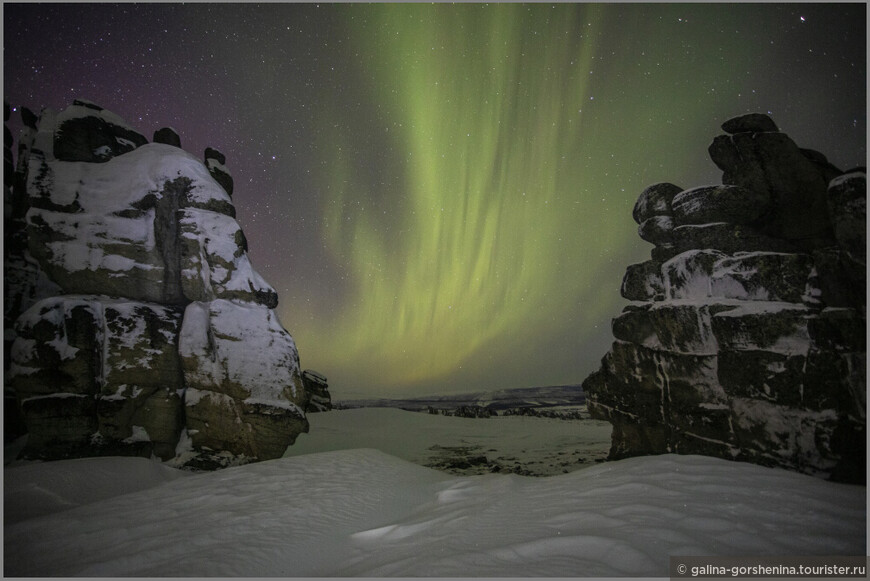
column 139, row 325
column 746, row 334
column 318, row 391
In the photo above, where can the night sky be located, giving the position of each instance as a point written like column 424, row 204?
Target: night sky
column 441, row 194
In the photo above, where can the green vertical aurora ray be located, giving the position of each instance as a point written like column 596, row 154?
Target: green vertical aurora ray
column 484, row 232
column 484, row 103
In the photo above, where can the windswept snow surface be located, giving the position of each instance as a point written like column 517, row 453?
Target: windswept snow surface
column 40, row 488
column 362, row 512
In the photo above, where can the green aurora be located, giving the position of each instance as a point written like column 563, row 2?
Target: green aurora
column 503, row 202
column 441, row 194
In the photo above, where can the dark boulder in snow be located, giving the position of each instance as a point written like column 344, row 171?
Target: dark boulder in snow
column 747, row 337
column 140, row 325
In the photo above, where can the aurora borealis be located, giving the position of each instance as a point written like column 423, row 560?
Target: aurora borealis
column 441, row 194
column 486, row 198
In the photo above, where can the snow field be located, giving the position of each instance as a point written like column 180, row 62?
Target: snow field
column 538, row 446
column 363, row 512
column 35, row 489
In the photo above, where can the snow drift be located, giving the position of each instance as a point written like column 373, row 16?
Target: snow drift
column 362, row 512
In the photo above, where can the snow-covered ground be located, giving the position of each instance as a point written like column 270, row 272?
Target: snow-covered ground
column 366, row 512
column 526, row 445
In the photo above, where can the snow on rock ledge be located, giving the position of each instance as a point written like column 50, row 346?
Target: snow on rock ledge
column 241, row 368
column 746, row 337
column 89, row 370
column 156, row 334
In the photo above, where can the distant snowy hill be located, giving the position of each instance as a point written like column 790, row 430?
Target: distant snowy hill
column 363, row 512
column 535, row 397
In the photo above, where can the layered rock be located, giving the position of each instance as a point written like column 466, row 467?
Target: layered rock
column 140, row 326
column 318, row 388
column 745, row 337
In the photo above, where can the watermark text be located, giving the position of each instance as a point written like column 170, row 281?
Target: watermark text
column 789, row 567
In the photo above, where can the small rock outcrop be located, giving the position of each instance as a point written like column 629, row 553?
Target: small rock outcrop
column 167, row 136
column 318, row 390
column 135, row 323
column 746, row 335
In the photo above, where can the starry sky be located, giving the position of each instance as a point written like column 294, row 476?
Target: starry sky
column 441, row 194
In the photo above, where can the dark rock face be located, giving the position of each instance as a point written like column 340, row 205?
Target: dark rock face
column 727, row 238
column 85, row 132
column 751, row 123
column 707, row 204
column 118, row 355
column 847, row 206
column 8, row 163
column 746, row 339
column 167, row 136
column 135, row 321
column 655, row 201
column 216, row 161
column 212, row 153
column 657, row 229
column 643, row 282
column 23, row 282
column 29, row 118
column 770, row 164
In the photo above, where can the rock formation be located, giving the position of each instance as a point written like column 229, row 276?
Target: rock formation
column 746, row 335
column 318, row 390
column 138, row 325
